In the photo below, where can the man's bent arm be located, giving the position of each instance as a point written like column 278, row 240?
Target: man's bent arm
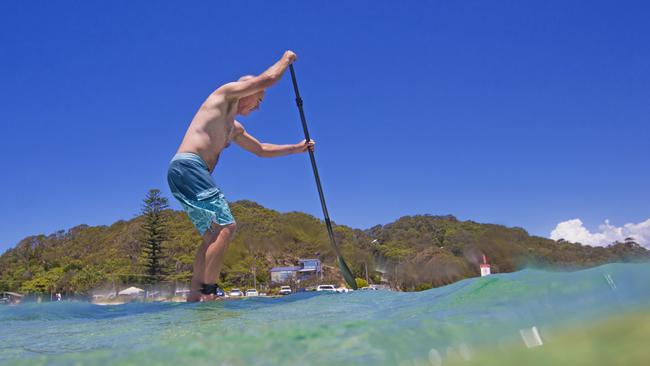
column 265, row 150
column 258, row 83
column 272, row 150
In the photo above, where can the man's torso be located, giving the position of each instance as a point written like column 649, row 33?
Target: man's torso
column 211, row 129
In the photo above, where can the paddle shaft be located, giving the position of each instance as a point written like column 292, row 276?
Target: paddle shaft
column 344, row 268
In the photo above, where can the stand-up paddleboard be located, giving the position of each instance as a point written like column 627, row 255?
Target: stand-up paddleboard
column 349, row 278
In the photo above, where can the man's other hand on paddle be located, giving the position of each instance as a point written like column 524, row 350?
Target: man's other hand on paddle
column 290, row 56
column 304, row 145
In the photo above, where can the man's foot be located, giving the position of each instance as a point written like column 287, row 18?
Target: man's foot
column 210, row 297
column 208, row 292
column 194, row 296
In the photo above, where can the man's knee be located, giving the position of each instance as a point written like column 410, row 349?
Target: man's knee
column 225, row 231
column 217, row 232
column 229, row 229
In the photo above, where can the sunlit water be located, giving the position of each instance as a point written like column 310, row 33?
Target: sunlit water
column 533, row 315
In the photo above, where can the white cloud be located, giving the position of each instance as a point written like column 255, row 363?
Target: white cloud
column 574, row 231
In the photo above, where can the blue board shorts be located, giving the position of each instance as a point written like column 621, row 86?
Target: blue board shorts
column 191, row 183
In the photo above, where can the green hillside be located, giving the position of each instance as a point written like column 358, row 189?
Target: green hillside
column 412, row 253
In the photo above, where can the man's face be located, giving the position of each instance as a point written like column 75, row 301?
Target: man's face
column 250, row 103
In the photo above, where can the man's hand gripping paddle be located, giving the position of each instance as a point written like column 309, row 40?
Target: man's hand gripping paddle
column 344, row 267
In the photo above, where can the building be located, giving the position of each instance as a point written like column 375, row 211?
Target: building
column 307, row 269
column 485, row 267
column 9, row 298
column 284, row 274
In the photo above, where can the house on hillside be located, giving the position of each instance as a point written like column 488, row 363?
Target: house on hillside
column 309, row 268
column 306, row 269
column 284, row 274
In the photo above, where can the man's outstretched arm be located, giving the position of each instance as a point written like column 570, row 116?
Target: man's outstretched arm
column 258, row 83
column 250, row 143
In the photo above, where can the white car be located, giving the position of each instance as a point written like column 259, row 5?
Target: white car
column 285, row 290
column 328, row 288
column 252, row 292
column 235, row 293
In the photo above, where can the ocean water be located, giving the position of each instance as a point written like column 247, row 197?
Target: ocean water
column 591, row 317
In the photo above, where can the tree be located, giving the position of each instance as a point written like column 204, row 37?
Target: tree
column 361, row 283
column 153, row 233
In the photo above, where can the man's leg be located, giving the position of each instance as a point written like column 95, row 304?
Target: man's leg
column 216, row 251
column 209, row 258
column 199, row 264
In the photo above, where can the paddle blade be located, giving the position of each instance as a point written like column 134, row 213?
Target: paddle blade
column 347, row 274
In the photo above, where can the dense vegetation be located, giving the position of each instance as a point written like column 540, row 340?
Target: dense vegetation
column 412, row 253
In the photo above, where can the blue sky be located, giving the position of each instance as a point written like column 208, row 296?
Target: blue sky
column 517, row 113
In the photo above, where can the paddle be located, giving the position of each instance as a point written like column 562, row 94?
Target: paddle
column 349, row 278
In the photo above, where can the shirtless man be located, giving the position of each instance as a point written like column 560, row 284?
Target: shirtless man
column 189, row 176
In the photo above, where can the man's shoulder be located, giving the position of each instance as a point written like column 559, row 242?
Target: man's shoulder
column 239, row 128
column 219, row 101
column 227, row 91
column 218, row 97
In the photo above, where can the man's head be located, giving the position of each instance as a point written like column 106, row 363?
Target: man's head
column 251, row 102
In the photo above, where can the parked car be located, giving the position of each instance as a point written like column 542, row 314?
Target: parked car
column 235, row 293
column 252, row 292
column 285, row 290
column 328, row 288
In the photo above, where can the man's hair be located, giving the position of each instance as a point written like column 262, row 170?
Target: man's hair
column 246, row 77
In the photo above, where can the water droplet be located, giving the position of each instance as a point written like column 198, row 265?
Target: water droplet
column 434, row 357
column 610, row 281
column 465, row 353
column 531, row 337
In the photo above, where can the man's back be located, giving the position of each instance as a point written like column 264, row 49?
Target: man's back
column 211, row 128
